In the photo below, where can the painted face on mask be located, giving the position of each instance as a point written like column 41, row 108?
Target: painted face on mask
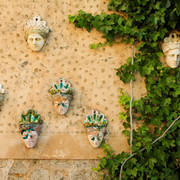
column 61, row 104
column 95, row 137
column 173, row 58
column 35, row 42
column 30, row 138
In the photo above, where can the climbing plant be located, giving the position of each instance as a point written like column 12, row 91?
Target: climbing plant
column 143, row 23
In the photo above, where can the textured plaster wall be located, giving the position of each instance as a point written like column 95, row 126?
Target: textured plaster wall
column 28, row 75
column 47, row 170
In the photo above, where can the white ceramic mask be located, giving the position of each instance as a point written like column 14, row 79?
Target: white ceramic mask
column 171, row 49
column 173, row 58
column 35, row 41
column 30, row 138
column 61, row 105
column 95, row 136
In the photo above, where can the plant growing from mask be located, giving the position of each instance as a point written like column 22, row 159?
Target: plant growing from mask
column 143, row 24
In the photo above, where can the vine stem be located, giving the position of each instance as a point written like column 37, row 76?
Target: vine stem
column 121, row 170
column 131, row 118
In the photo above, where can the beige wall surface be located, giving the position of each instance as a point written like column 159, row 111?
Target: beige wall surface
column 48, row 170
column 27, row 76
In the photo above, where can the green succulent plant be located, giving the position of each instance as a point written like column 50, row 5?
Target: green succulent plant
column 63, row 87
column 30, row 117
column 95, row 119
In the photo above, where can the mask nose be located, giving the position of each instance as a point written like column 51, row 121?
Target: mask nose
column 34, row 41
column 29, row 138
column 95, row 142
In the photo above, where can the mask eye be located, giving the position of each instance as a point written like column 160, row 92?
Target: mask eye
column 93, row 138
column 101, row 137
column 38, row 39
column 98, row 137
column 25, row 136
column 63, row 105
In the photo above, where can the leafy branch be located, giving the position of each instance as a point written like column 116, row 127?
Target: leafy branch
column 121, row 170
column 145, row 22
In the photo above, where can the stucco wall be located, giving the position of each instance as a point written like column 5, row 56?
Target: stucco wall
column 47, row 170
column 27, row 76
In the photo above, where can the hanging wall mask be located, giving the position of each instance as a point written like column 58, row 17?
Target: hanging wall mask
column 36, row 33
column 96, row 126
column 2, row 94
column 63, row 94
column 30, row 127
column 171, row 49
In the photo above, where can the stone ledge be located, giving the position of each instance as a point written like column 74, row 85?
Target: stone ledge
column 57, row 147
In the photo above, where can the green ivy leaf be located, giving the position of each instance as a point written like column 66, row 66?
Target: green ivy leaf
column 123, row 116
column 166, row 3
column 159, row 54
column 148, row 69
column 151, row 162
column 166, row 102
column 126, row 132
column 177, row 3
column 103, row 162
column 134, row 171
column 72, row 18
column 148, row 147
column 138, row 144
column 140, row 46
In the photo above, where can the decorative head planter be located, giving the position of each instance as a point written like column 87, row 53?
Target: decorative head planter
column 2, row 93
column 96, row 126
column 36, row 33
column 171, row 49
column 30, row 127
column 63, row 94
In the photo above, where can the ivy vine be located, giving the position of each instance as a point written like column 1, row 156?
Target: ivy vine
column 144, row 22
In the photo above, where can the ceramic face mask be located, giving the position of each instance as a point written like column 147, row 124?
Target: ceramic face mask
column 171, row 49
column 173, row 58
column 35, row 41
column 63, row 94
column 96, row 126
column 30, row 138
column 61, row 105
column 36, row 32
column 30, row 127
column 95, row 136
